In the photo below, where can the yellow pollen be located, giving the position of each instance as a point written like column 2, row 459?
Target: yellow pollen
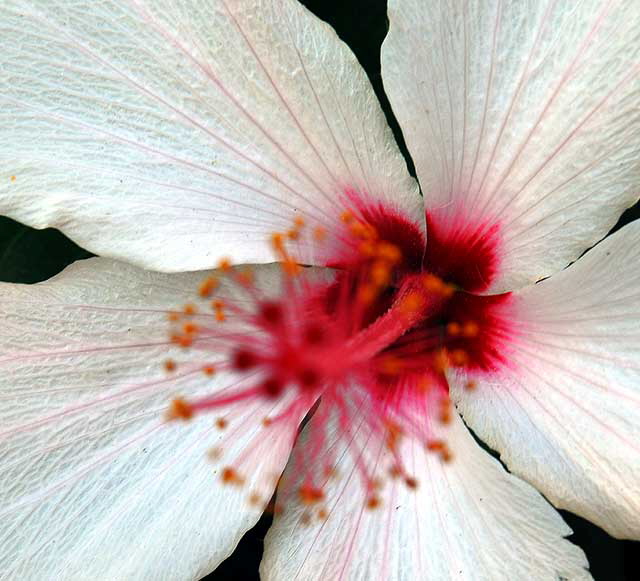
column 13, row 178
column 266, row 422
column 170, row 365
column 179, row 410
column 221, row 423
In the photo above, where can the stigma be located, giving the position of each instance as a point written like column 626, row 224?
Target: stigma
column 372, row 340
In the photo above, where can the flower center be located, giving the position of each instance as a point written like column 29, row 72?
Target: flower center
column 372, row 342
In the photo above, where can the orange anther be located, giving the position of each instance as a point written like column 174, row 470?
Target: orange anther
column 323, row 514
column 170, row 365
column 293, row 234
column 190, row 328
column 459, row 357
column 454, row 329
column 184, row 341
column 435, row 445
column 277, row 241
column 389, row 252
column 217, row 304
column 245, row 277
column 367, row 293
column 266, row 422
column 13, row 178
column 470, row 329
column 441, row 360
column 471, row 385
column 444, row 417
column 207, row 286
column 425, row 384
column 446, row 455
column 215, row 454
column 209, row 370
column 230, row 476
column 189, row 309
column 179, row 410
column 432, row 283
column 367, row 248
column 390, row 365
column 173, row 317
column 319, row 234
column 298, row 222
column 373, row 502
column 224, row 264
column 362, row 230
column 255, row 499
column 221, row 423
column 290, row 267
column 380, row 273
column 411, row 482
column 412, row 303
column 346, row 217
column 309, row 494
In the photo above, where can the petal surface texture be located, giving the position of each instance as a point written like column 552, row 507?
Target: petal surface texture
column 172, row 133
column 93, row 483
column 468, row 519
column 565, row 415
column 522, row 119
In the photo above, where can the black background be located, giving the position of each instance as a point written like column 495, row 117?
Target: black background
column 28, row 255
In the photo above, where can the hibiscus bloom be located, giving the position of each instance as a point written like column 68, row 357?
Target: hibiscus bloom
column 167, row 136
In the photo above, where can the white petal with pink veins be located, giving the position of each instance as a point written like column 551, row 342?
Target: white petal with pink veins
column 94, row 484
column 565, row 415
column 467, row 519
column 522, row 119
column 173, row 133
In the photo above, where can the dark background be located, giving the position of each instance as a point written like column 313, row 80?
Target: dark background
column 28, row 255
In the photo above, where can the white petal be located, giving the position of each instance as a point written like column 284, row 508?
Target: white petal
column 93, row 483
column 566, row 416
column 173, row 133
column 468, row 519
column 522, row 116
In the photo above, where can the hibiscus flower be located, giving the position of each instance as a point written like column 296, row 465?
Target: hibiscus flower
column 167, row 136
